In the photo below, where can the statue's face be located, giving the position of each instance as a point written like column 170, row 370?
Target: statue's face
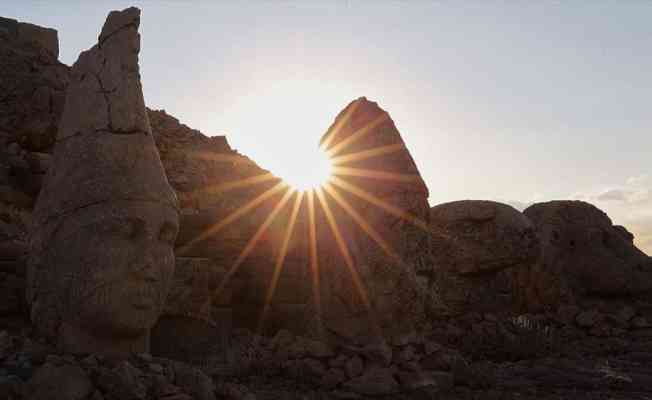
column 119, row 263
column 583, row 247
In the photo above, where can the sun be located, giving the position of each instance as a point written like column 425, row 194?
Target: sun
column 306, row 170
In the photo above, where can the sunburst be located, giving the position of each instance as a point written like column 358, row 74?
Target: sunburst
column 326, row 180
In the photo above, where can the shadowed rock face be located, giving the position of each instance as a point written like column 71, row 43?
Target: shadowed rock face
column 488, row 236
column 473, row 241
column 106, row 219
column 370, row 157
column 584, row 254
column 32, row 85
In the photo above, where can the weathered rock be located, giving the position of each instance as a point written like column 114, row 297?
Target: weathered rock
column 122, row 382
column 584, row 255
column 66, row 382
column 437, row 381
column 379, row 203
column 588, row 319
column 473, row 241
column 332, row 378
column 32, row 85
column 482, row 236
column 106, row 219
column 194, row 381
column 374, row 382
column 354, row 366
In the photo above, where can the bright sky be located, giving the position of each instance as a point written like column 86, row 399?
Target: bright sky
column 511, row 101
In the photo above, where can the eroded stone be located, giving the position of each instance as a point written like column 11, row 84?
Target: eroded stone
column 106, row 219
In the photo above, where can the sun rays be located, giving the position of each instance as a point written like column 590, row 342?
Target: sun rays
column 336, row 178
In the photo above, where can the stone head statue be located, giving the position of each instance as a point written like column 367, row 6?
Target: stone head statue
column 106, row 219
column 584, row 255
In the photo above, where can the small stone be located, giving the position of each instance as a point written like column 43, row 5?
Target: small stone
column 317, row 349
column 405, row 339
column 283, row 338
column 194, row 381
column 640, row 323
column 67, row 382
column 314, row 368
column 431, row 347
column 410, row 366
column 338, row 361
column 378, row 352
column 296, row 349
column 490, row 317
column 626, row 313
column 441, row 361
column 404, row 355
column 588, row 319
column 53, row 359
column 13, row 149
column 90, row 361
column 158, row 368
column 353, row 367
column 121, row 382
column 417, row 380
column 344, row 395
column 374, row 382
column 332, row 378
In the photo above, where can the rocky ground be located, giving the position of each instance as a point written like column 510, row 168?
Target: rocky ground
column 529, row 360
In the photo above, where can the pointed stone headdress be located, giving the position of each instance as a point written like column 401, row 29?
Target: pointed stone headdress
column 105, row 150
column 105, row 163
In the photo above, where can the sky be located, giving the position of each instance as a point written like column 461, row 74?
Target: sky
column 518, row 102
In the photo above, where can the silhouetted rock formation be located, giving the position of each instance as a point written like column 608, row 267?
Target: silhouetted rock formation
column 32, row 84
column 584, row 256
column 377, row 179
column 106, row 219
column 473, row 241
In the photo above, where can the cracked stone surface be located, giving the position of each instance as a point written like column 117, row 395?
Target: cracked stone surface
column 106, row 219
column 584, row 256
column 371, row 162
column 473, row 241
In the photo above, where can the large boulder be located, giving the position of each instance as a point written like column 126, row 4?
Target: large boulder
column 473, row 242
column 33, row 84
column 106, row 219
column 379, row 204
column 584, row 255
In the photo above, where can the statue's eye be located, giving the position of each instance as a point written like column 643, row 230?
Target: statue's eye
column 168, row 233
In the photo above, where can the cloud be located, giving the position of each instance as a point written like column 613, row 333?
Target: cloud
column 638, row 180
column 612, row 195
column 625, row 195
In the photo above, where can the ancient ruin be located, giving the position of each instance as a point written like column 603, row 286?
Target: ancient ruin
column 359, row 290
column 106, row 219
